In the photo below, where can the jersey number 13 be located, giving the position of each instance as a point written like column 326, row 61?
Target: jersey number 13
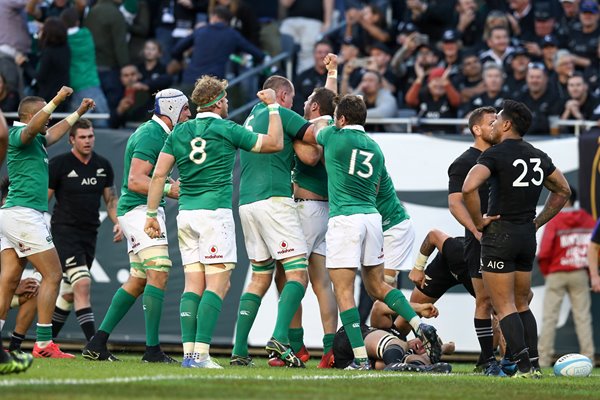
column 367, row 162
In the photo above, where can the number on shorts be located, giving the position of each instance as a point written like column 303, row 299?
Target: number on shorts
column 368, row 156
column 198, row 155
column 536, row 169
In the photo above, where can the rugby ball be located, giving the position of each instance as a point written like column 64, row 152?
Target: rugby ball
column 573, row 365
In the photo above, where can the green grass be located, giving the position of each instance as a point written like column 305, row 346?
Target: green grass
column 81, row 379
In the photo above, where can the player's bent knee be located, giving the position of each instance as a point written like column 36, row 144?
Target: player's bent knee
column 136, row 269
column 78, row 275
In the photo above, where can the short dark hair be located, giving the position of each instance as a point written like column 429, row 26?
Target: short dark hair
column 54, row 33
column 323, row 41
column 477, row 115
column 325, row 99
column 70, row 17
column 353, row 108
column 576, row 74
column 518, row 114
column 222, row 13
column 25, row 105
column 277, row 82
column 82, row 123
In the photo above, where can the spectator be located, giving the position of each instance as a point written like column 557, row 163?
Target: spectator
column 313, row 77
column 139, row 31
column 498, row 43
column 581, row 104
column 494, row 94
column 562, row 260
column 592, row 73
column 380, row 102
column 269, row 36
column 518, row 61
column 495, row 18
column 522, row 18
column 42, row 9
column 367, row 26
column 379, row 60
column 9, row 98
column 109, row 30
column 470, row 82
column 426, row 57
column 135, row 102
column 305, row 20
column 451, row 57
column 431, row 17
column 541, row 100
column 210, row 56
column 564, row 66
column 176, row 21
column 468, row 20
column 154, row 77
column 544, row 23
column 584, row 41
column 55, row 59
column 549, row 49
column 568, row 21
column 244, row 19
column 83, row 73
column 15, row 42
column 410, row 41
column 439, row 99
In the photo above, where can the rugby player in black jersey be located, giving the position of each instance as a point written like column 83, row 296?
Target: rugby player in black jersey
column 516, row 172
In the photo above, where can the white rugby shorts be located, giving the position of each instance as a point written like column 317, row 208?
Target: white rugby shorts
column 398, row 243
column 354, row 240
column 132, row 224
column 272, row 229
column 313, row 219
column 25, row 230
column 206, row 236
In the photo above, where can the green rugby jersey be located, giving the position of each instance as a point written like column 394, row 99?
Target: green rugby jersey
column 389, row 206
column 145, row 143
column 269, row 175
column 309, row 177
column 27, row 171
column 204, row 150
column 354, row 165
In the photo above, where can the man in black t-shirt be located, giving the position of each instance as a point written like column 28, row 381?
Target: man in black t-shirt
column 78, row 179
column 516, row 172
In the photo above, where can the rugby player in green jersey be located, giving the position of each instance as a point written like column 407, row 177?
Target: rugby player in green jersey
column 204, row 150
column 355, row 166
column 24, row 233
column 149, row 258
column 272, row 230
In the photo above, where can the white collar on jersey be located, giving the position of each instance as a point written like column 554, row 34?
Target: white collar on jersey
column 17, row 123
column 208, row 114
column 355, row 127
column 322, row 117
column 73, row 30
column 162, row 124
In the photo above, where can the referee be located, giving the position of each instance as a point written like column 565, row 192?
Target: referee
column 517, row 172
column 78, row 179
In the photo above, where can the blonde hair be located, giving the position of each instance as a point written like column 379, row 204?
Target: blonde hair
column 207, row 90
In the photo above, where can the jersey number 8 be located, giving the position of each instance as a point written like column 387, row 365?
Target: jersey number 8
column 536, row 169
column 197, row 155
column 368, row 156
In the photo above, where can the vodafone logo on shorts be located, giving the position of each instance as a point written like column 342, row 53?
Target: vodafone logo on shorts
column 285, row 248
column 214, row 252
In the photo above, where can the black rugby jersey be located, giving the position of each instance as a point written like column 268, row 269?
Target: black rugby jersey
column 518, row 171
column 78, row 188
column 457, row 173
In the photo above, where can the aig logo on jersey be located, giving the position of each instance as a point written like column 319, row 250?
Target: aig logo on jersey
column 89, row 181
column 495, row 265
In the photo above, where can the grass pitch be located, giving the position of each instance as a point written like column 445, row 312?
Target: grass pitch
column 82, row 379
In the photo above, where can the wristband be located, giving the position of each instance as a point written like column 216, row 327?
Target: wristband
column 420, row 262
column 273, row 108
column 49, row 108
column 151, row 213
column 167, row 188
column 332, row 74
column 71, row 119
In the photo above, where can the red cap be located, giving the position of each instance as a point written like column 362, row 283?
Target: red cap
column 436, row 72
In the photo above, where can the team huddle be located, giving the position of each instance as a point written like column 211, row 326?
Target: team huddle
column 316, row 204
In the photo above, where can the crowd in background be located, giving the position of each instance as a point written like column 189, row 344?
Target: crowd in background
column 429, row 59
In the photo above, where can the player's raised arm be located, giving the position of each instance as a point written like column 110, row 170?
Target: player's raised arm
column 273, row 141
column 331, row 65
column 38, row 122
column 57, row 131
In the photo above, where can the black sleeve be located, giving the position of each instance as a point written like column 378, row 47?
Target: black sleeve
column 110, row 175
column 457, row 172
column 54, row 173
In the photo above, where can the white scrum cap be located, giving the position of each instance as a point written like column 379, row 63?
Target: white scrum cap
column 169, row 103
